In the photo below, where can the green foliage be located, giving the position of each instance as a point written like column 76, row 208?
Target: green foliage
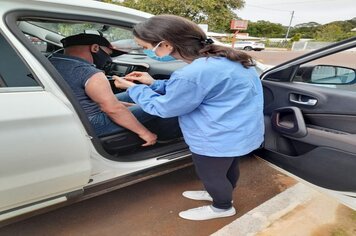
column 334, row 31
column 71, row 29
column 296, row 37
column 216, row 13
column 306, row 30
column 266, row 29
column 330, row 33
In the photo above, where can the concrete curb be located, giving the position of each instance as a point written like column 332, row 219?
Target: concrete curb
column 264, row 215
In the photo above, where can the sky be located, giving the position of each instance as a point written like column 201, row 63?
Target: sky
column 279, row 11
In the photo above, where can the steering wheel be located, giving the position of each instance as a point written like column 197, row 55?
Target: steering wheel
column 55, row 51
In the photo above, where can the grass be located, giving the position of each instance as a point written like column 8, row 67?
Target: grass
column 339, row 232
column 353, row 215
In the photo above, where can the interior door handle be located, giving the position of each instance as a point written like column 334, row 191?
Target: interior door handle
column 289, row 121
column 302, row 99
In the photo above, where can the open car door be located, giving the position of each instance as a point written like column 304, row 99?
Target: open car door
column 44, row 151
column 310, row 118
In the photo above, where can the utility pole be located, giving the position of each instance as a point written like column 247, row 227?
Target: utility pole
column 290, row 23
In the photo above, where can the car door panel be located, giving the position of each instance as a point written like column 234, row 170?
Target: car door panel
column 328, row 142
column 311, row 132
column 44, row 150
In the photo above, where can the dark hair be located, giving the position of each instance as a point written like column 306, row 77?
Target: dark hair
column 187, row 38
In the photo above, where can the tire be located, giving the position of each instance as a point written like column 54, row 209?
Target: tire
column 248, row 48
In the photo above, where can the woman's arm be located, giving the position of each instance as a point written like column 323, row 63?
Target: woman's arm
column 181, row 97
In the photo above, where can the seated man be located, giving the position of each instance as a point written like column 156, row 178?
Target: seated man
column 80, row 65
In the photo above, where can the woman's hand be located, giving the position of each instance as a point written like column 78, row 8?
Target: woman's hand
column 122, row 83
column 142, row 77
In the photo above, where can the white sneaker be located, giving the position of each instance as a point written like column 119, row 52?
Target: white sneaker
column 205, row 213
column 198, row 195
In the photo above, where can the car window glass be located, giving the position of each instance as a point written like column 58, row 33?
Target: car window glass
column 13, row 71
column 38, row 43
column 335, row 71
column 121, row 38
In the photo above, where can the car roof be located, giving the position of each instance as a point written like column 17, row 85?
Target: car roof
column 82, row 7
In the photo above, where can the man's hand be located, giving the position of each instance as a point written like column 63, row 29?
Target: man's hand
column 122, row 83
column 149, row 137
column 142, row 77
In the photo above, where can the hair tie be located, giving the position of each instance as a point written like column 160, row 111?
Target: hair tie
column 208, row 41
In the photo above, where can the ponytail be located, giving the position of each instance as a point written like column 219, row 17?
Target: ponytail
column 211, row 50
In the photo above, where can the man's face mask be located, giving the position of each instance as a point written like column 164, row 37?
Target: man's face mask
column 151, row 53
column 101, row 59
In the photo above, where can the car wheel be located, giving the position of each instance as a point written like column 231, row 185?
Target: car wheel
column 248, row 48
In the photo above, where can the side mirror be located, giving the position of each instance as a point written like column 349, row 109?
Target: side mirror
column 327, row 74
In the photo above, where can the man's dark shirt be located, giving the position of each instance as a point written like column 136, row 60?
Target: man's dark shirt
column 76, row 72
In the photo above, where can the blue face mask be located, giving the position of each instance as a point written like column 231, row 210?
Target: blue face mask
column 152, row 54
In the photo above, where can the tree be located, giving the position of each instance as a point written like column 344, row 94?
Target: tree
column 266, row 29
column 216, row 13
column 330, row 33
column 306, row 30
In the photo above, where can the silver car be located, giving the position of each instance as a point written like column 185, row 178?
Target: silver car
column 249, row 45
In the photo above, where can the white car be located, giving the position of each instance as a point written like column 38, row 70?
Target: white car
column 249, row 45
column 50, row 155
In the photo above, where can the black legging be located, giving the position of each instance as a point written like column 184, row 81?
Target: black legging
column 219, row 176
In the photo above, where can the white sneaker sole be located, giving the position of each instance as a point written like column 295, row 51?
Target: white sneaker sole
column 196, row 214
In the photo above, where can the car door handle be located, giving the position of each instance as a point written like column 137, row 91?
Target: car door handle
column 289, row 121
column 302, row 99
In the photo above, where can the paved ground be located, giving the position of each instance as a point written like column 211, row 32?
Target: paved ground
column 274, row 57
column 320, row 216
column 298, row 211
column 277, row 57
column 151, row 207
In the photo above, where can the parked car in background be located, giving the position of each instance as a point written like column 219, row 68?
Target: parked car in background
column 249, row 45
column 50, row 154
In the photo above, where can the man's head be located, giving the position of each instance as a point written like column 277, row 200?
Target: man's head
column 99, row 47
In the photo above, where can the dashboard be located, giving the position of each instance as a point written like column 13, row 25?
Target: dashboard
column 123, row 68
column 127, row 63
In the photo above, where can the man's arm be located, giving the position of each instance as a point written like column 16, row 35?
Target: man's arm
column 99, row 90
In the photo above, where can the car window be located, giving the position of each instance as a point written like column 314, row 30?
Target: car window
column 13, row 71
column 334, row 71
column 38, row 43
column 121, row 38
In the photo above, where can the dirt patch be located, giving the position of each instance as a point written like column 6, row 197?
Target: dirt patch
column 151, row 208
column 283, row 182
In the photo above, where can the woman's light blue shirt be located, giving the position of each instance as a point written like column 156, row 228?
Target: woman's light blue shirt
column 219, row 104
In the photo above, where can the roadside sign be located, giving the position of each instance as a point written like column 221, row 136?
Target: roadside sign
column 238, row 24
